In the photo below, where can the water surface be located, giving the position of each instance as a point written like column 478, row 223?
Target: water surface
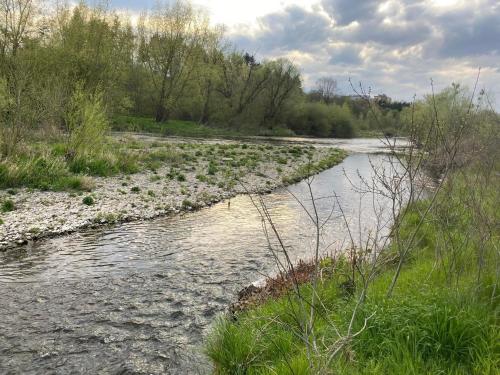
column 139, row 297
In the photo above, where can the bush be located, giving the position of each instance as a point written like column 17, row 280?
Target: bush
column 186, row 203
column 95, row 167
column 212, row 168
column 86, row 123
column 8, row 205
column 88, row 200
column 323, row 120
column 342, row 122
column 40, row 172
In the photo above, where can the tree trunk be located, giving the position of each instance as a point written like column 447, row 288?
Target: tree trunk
column 161, row 110
column 205, row 116
column 161, row 113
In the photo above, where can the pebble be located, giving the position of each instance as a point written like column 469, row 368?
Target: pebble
column 57, row 213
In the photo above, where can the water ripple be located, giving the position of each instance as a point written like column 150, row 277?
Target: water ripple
column 138, row 297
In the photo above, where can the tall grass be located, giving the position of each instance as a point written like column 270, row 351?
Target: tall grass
column 40, row 172
column 46, row 167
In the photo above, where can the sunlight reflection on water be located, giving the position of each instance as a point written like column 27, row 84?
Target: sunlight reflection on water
column 139, row 296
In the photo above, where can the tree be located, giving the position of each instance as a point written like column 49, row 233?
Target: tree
column 283, row 82
column 95, row 48
column 213, row 57
column 17, row 23
column 326, row 87
column 171, row 46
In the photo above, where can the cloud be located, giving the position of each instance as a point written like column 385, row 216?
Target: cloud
column 396, row 33
column 345, row 55
column 468, row 32
column 346, row 11
column 133, row 4
column 393, row 45
column 294, row 28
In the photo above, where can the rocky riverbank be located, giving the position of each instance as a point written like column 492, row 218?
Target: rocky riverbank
column 203, row 174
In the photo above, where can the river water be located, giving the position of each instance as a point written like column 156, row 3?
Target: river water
column 138, row 298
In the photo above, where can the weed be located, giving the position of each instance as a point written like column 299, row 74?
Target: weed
column 8, row 205
column 88, row 200
column 201, row 178
column 187, row 204
column 212, row 168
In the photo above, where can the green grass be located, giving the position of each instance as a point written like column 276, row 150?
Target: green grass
column 170, row 128
column 7, row 205
column 180, row 128
column 38, row 171
column 441, row 318
column 104, row 166
column 335, row 157
column 46, row 165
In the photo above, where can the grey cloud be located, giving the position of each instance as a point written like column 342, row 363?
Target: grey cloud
column 448, row 39
column 470, row 33
column 347, row 55
column 397, row 34
column 292, row 29
column 346, row 11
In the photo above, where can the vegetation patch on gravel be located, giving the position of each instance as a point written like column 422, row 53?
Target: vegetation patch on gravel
column 141, row 178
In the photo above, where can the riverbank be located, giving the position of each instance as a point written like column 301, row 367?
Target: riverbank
column 178, row 176
column 179, row 128
column 441, row 318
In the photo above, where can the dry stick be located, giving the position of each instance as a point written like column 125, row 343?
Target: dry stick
column 265, row 214
column 431, row 205
column 310, row 327
column 404, row 252
column 316, row 260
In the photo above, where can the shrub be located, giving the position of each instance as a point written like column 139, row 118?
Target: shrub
column 212, row 168
column 342, row 121
column 311, row 118
column 323, row 120
column 86, row 123
column 135, row 189
column 96, row 167
column 8, row 205
column 88, row 200
column 201, row 178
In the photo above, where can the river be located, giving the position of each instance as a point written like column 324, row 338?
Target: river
column 138, row 298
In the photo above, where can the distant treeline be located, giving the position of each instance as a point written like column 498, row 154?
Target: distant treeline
column 169, row 64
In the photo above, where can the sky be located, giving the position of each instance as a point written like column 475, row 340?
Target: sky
column 394, row 47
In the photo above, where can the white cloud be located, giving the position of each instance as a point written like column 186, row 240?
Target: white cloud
column 232, row 13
